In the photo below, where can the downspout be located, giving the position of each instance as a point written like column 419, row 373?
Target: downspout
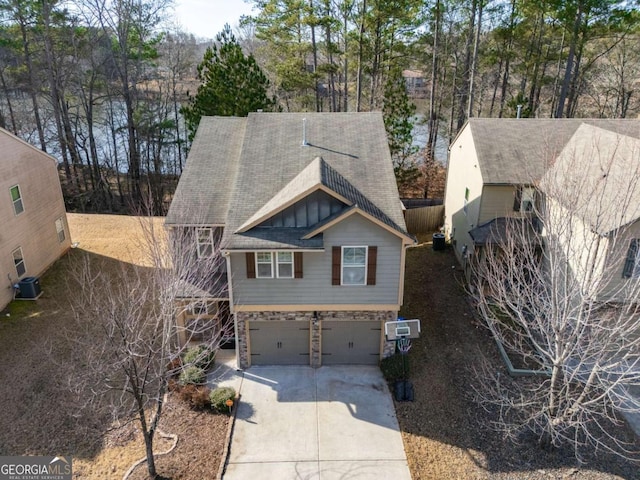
column 227, row 257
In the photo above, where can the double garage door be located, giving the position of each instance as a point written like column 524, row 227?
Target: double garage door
column 288, row 342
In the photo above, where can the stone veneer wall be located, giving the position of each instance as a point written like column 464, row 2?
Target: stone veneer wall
column 315, row 328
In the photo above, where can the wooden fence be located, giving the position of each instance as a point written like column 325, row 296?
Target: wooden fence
column 424, row 219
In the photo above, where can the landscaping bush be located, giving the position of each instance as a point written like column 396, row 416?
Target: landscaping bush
column 196, row 396
column 174, row 367
column 393, row 369
column 219, row 398
column 200, row 356
column 192, row 375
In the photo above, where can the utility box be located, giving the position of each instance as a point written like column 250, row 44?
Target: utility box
column 29, row 287
column 439, row 241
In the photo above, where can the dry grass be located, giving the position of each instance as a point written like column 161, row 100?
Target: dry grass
column 445, row 432
column 42, row 415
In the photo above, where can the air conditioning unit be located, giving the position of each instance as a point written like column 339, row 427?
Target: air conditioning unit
column 29, row 287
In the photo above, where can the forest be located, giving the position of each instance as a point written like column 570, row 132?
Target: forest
column 114, row 90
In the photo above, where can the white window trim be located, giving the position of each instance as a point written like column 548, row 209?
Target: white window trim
column 15, row 265
column 13, row 202
column 275, row 264
column 366, row 261
column 200, row 244
column 60, row 222
column 278, row 263
column 528, row 189
column 263, row 263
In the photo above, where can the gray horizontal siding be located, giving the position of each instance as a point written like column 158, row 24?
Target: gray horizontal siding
column 315, row 287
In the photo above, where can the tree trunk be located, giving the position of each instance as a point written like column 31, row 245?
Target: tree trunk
column 360, row 55
column 432, row 90
column 569, row 68
column 474, row 61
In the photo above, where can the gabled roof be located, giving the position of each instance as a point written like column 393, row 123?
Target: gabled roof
column 597, row 176
column 203, row 193
column 519, row 151
column 254, row 167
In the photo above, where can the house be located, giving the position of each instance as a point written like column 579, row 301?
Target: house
column 307, row 213
column 415, row 83
column 34, row 224
column 504, row 171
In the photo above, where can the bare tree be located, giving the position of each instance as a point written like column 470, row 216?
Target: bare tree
column 130, row 331
column 558, row 288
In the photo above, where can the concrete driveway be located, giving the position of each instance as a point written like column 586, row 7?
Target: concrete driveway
column 328, row 423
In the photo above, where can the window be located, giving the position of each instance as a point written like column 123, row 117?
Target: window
column 18, row 260
column 274, row 264
column 285, row 264
column 354, row 265
column 264, row 265
column 466, row 200
column 632, row 263
column 16, row 198
column 60, row 230
column 205, row 242
column 524, row 200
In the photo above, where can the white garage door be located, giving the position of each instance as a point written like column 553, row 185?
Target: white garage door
column 279, row 343
column 351, row 342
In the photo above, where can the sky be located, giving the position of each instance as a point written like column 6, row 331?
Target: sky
column 205, row 18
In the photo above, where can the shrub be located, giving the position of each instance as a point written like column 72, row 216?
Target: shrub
column 200, row 356
column 395, row 367
column 219, row 398
column 196, row 396
column 174, row 367
column 192, row 375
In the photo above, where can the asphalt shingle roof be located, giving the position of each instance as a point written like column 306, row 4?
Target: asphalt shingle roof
column 247, row 167
column 597, row 175
column 519, row 151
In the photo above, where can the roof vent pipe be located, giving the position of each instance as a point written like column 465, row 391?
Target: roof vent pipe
column 304, row 132
column 519, row 111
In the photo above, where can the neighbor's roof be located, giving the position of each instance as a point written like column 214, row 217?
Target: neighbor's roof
column 253, row 167
column 597, row 176
column 519, row 151
column 500, row 231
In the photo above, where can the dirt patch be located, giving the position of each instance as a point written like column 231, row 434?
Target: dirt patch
column 445, row 432
column 42, row 415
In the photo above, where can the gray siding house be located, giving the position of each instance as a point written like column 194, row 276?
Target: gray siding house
column 307, row 213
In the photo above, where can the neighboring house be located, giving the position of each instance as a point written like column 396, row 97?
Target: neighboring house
column 415, row 83
column 496, row 171
column 34, row 224
column 308, row 215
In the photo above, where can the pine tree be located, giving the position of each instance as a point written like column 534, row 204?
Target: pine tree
column 398, row 112
column 232, row 83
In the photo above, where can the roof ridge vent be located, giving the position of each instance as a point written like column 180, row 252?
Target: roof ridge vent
column 304, row 133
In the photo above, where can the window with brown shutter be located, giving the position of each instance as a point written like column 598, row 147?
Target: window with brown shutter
column 336, row 253
column 251, row 264
column 372, row 260
column 297, row 263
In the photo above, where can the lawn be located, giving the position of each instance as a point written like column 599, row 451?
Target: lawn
column 42, row 412
column 446, row 434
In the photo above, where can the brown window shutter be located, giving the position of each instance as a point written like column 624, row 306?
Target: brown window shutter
column 297, row 264
column 251, row 264
column 517, row 199
column 336, row 253
column 372, row 260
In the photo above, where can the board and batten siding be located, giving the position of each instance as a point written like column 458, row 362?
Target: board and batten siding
column 315, row 287
column 34, row 230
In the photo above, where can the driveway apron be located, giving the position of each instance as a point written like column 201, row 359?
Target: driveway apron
column 334, row 422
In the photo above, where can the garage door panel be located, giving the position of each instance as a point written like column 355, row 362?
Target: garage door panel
column 279, row 343
column 351, row 342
